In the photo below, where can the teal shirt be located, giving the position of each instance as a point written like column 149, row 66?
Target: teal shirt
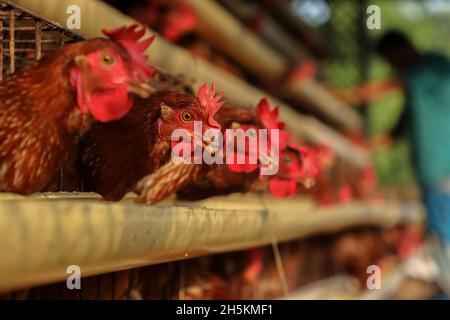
column 428, row 117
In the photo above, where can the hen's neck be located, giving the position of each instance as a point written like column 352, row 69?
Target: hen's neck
column 144, row 118
column 42, row 92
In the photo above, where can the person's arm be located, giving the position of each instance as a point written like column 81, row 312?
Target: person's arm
column 369, row 92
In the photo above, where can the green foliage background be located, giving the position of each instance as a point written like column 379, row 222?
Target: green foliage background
column 428, row 29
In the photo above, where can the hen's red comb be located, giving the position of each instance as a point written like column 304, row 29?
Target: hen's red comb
column 210, row 102
column 128, row 37
column 268, row 117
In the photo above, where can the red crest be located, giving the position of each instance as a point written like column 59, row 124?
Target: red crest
column 129, row 38
column 210, row 102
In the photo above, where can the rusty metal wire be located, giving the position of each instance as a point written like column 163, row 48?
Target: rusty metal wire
column 26, row 37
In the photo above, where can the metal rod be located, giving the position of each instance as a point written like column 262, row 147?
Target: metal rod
column 1, row 50
column 38, row 39
column 17, row 50
column 46, row 41
column 21, row 17
column 20, row 28
column 12, row 55
column 280, row 268
column 123, row 235
column 32, row 29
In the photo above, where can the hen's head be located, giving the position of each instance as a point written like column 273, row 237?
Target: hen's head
column 310, row 165
column 285, row 183
column 182, row 110
column 188, row 112
column 105, row 72
column 269, row 120
column 298, row 164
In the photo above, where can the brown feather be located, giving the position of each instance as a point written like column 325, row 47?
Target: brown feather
column 40, row 120
column 166, row 181
column 116, row 155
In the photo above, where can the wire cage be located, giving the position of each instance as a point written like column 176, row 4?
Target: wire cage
column 26, row 37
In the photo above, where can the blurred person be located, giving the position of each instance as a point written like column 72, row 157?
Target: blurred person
column 426, row 123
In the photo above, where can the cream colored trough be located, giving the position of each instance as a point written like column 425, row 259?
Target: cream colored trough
column 41, row 236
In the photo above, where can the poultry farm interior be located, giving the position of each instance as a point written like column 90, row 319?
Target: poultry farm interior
column 219, row 232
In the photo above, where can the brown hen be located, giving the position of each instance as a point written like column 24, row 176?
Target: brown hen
column 116, row 155
column 46, row 106
column 200, row 181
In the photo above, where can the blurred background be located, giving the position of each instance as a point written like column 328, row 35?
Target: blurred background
column 330, row 41
column 317, row 57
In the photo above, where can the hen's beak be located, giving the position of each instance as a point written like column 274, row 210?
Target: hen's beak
column 142, row 89
column 307, row 183
column 208, row 145
column 210, row 148
column 235, row 125
column 266, row 160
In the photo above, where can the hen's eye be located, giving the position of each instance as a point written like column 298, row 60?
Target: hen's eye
column 107, row 59
column 287, row 159
column 186, row 117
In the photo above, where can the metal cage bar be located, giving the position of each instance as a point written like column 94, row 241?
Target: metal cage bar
column 1, row 50
column 12, row 33
column 38, row 40
column 26, row 37
column 38, row 242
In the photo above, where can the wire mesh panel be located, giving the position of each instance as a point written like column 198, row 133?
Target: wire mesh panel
column 26, row 37
column 349, row 60
column 345, row 68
